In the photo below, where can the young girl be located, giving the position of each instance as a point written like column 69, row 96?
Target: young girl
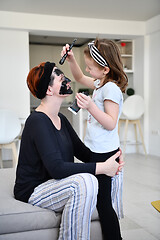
column 104, row 64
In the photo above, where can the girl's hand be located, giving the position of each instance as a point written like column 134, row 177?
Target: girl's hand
column 84, row 101
column 70, row 53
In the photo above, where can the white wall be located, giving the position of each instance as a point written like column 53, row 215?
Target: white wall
column 154, row 94
column 152, row 85
column 69, row 26
column 14, row 62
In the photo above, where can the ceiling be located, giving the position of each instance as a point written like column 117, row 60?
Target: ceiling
column 137, row 10
column 131, row 10
column 50, row 40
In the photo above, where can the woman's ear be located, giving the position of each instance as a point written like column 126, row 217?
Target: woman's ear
column 49, row 91
column 106, row 70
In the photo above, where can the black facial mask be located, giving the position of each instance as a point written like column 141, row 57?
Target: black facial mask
column 64, row 88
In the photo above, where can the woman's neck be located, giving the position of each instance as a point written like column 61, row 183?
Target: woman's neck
column 51, row 110
column 51, row 107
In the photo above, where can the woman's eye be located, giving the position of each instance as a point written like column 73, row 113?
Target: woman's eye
column 61, row 79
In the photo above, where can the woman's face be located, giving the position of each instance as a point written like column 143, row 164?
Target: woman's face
column 61, row 85
column 93, row 69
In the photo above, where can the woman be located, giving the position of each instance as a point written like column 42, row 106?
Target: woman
column 46, row 173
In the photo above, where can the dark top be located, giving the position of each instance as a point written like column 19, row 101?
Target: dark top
column 47, row 153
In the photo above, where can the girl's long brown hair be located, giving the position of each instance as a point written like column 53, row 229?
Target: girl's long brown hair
column 110, row 51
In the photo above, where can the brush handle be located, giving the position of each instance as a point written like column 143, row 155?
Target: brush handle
column 66, row 54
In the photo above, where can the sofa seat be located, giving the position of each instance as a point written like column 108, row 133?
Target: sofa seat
column 19, row 220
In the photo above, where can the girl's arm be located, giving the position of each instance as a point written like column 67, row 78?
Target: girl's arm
column 107, row 119
column 76, row 70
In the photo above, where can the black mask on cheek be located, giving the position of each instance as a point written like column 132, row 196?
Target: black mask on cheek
column 64, row 88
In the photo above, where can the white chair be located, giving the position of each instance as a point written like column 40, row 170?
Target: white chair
column 133, row 109
column 10, row 128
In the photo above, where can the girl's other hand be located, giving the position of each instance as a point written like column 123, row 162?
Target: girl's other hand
column 83, row 101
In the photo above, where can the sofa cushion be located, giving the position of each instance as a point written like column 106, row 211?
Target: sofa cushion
column 17, row 216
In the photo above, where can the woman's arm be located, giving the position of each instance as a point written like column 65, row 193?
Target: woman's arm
column 110, row 167
column 56, row 155
column 76, row 70
column 48, row 149
column 81, row 152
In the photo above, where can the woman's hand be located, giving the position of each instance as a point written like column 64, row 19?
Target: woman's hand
column 70, row 53
column 110, row 167
column 121, row 162
column 84, row 101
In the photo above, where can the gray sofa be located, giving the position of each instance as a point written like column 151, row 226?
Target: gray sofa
column 22, row 221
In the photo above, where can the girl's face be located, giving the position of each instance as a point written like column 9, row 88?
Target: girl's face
column 93, row 69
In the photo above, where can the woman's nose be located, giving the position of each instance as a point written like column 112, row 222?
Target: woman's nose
column 87, row 70
column 68, row 84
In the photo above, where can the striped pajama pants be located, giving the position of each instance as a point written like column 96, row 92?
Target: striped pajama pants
column 74, row 196
column 116, row 194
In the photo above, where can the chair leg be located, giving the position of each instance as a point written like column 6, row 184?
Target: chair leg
column 135, row 128
column 125, row 136
column 14, row 151
column 1, row 160
column 140, row 130
column 119, row 125
column 84, row 129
